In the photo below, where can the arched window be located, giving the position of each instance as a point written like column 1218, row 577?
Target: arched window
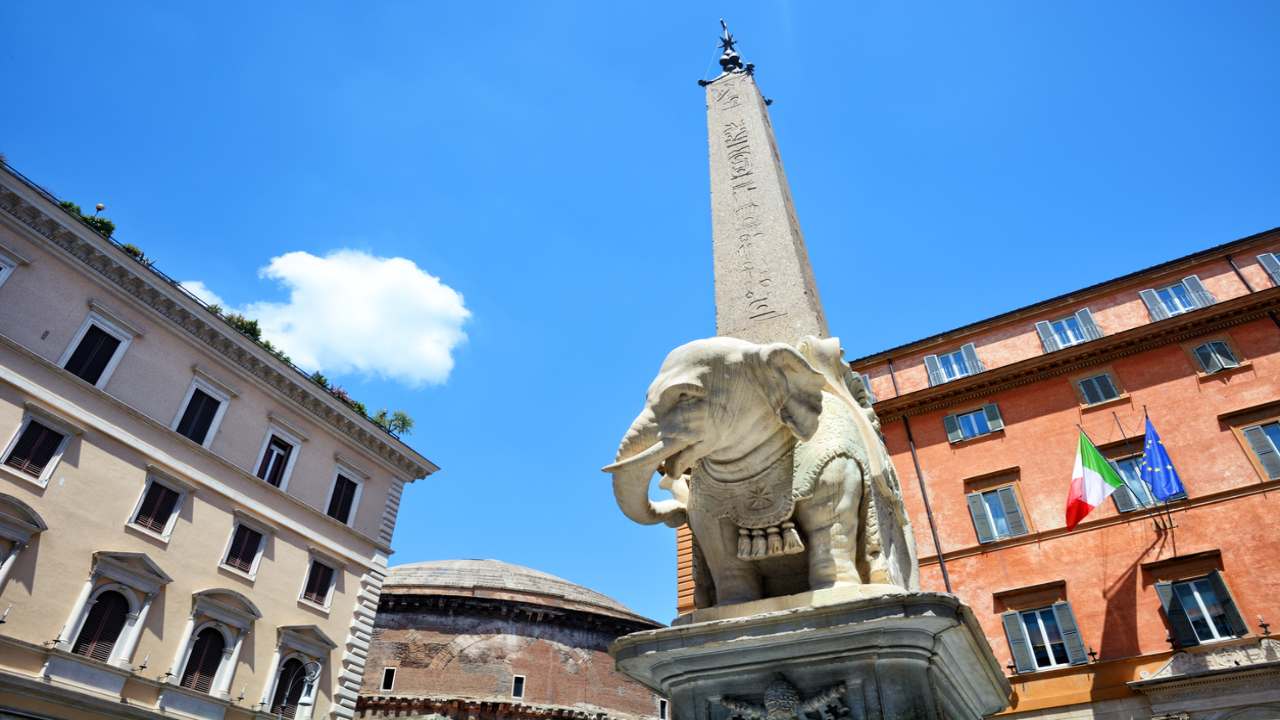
column 102, row 627
column 290, row 684
column 204, row 660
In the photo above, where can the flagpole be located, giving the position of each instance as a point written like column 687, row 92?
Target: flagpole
column 1129, row 444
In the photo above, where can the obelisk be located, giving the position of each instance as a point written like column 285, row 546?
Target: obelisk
column 765, row 290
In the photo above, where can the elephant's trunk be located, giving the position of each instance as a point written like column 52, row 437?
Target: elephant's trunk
column 639, row 455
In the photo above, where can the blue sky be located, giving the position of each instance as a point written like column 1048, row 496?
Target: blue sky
column 540, row 170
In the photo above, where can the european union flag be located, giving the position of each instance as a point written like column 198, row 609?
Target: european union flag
column 1157, row 468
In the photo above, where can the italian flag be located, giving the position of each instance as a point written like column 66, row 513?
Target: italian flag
column 1092, row 481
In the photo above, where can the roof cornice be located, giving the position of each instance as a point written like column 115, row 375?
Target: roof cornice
column 1096, row 352
column 1071, row 298
column 31, row 208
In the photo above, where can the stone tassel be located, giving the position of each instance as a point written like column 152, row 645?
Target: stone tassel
column 758, row 547
column 791, row 542
column 774, row 541
column 744, row 544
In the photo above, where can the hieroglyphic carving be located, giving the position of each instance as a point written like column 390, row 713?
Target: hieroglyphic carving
column 740, row 156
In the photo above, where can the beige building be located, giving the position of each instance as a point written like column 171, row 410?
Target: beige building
column 188, row 525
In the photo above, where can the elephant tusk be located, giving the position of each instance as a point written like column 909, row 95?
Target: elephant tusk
column 654, row 454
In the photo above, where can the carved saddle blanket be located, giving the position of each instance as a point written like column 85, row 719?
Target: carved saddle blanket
column 759, row 492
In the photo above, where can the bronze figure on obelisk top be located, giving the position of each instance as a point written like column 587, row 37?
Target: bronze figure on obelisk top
column 765, row 291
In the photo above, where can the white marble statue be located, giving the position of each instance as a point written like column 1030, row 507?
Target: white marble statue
column 773, row 457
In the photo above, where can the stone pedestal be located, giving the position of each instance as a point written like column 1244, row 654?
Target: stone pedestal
column 906, row 656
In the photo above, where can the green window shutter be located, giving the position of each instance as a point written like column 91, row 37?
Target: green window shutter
column 993, row 417
column 934, row 369
column 953, row 428
column 1012, row 511
column 1207, row 358
column 971, row 358
column 981, row 523
column 1271, row 265
column 1198, row 292
column 1070, row 633
column 1234, row 619
column 1018, row 644
column 1155, row 307
column 1265, row 451
column 1090, row 328
column 1179, row 625
column 1124, row 500
column 1047, row 337
column 1222, row 352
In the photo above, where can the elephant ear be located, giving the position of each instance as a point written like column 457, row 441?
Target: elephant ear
column 793, row 387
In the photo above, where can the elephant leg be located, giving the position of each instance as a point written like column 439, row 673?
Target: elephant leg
column 830, row 521
column 735, row 580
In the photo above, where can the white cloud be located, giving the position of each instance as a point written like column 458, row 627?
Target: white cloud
column 350, row 311
column 202, row 291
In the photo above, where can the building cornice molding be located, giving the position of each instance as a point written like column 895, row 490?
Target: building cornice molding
column 1179, row 328
column 476, row 709
column 395, row 600
column 1073, row 298
column 147, row 288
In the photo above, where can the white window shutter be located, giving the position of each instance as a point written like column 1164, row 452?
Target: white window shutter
column 1202, row 297
column 994, row 420
column 971, row 358
column 1047, row 337
column 932, row 367
column 1265, row 451
column 952, row 427
column 1155, row 307
column 1085, row 317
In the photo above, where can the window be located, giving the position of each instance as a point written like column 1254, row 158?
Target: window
column 319, row 582
column 972, row 424
column 291, row 684
column 8, row 263
column 1097, row 389
column 343, row 498
column 96, row 347
column 1068, row 331
column 202, row 409
column 517, row 686
column 1264, row 440
column 156, row 510
column 204, row 660
column 996, row 514
column 1269, row 263
column 1175, row 299
column 1215, row 356
column 1135, row 494
column 388, row 679
column 951, row 366
column 662, row 709
column 1044, row 638
column 102, row 626
column 946, row 367
column 35, row 449
column 277, row 459
column 1200, row 610
column 197, row 419
column 245, row 549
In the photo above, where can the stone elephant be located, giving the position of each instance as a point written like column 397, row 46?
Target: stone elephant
column 773, row 457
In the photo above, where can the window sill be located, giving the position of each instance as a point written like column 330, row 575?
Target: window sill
column 1225, row 372
column 305, row 603
column 977, row 438
column 40, row 482
column 1117, row 400
column 237, row 573
column 149, row 534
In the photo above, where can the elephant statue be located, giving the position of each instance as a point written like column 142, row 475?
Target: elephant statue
column 773, row 457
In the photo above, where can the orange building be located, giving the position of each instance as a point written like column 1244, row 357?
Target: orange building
column 1143, row 610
